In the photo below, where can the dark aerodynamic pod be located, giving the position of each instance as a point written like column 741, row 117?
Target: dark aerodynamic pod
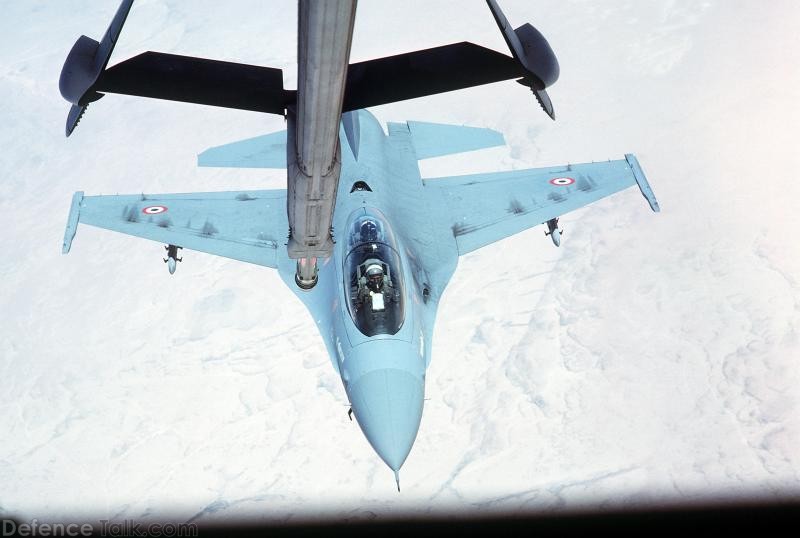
column 80, row 72
column 85, row 64
column 537, row 57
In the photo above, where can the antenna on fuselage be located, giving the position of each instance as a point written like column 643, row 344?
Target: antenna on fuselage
column 397, row 479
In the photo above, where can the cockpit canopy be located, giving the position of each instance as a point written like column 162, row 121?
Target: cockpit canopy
column 373, row 275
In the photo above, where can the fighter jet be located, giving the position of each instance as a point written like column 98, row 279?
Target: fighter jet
column 364, row 241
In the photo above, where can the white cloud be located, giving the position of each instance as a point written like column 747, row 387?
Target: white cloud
column 653, row 356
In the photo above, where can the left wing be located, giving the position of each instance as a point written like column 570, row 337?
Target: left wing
column 242, row 225
column 484, row 208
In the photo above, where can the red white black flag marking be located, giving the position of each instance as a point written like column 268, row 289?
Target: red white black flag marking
column 154, row 209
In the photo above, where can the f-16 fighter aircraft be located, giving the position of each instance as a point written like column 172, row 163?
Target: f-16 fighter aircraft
column 365, row 242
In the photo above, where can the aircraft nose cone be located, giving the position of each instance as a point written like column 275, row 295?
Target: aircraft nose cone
column 387, row 404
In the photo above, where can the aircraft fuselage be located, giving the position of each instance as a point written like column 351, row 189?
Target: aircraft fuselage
column 379, row 341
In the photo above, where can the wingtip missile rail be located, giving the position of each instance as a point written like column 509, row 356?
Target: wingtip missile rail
column 641, row 180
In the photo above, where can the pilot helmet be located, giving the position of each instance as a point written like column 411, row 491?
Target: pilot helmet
column 375, row 276
column 369, row 231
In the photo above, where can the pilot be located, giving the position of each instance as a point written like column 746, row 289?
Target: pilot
column 376, row 282
column 369, row 232
column 375, row 277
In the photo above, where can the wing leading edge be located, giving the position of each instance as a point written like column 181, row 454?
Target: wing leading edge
column 484, row 208
column 242, row 225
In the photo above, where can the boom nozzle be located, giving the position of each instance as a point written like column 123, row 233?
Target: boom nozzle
column 306, row 276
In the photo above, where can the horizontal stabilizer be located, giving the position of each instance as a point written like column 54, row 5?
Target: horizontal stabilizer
column 437, row 139
column 266, row 151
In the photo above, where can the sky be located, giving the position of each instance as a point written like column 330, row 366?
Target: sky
column 652, row 358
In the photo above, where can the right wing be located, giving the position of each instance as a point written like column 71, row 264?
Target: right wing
column 242, row 225
column 484, row 208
